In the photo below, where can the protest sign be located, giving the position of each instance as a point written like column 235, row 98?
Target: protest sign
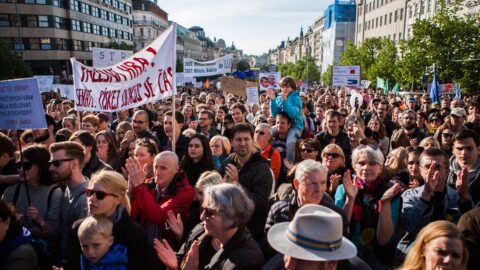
column 147, row 76
column 45, row 83
column 269, row 81
column 193, row 68
column 180, row 79
column 21, row 105
column 66, row 90
column 346, row 76
column 103, row 57
column 252, row 96
column 234, row 86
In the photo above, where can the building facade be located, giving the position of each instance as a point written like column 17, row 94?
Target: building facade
column 47, row 33
column 149, row 21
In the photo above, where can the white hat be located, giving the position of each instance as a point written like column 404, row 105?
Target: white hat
column 460, row 112
column 302, row 94
column 314, row 234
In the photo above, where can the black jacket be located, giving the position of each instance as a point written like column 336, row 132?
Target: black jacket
column 94, row 165
column 324, row 138
column 257, row 179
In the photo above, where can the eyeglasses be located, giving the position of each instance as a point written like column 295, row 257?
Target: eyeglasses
column 99, row 194
column 216, row 145
column 138, row 122
column 56, row 162
column 210, row 213
column 26, row 165
column 333, row 155
column 308, row 150
column 259, row 132
column 447, row 135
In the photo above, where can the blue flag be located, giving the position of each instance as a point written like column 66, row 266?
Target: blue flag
column 458, row 94
column 434, row 95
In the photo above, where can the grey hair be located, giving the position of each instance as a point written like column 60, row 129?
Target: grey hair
column 262, row 126
column 309, row 166
column 374, row 155
column 168, row 154
column 231, row 201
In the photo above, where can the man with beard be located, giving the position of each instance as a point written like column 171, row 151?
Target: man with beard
column 45, row 136
column 409, row 127
column 66, row 167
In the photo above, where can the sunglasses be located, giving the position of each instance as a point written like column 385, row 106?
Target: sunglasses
column 56, row 162
column 447, row 135
column 259, row 132
column 333, row 155
column 208, row 212
column 26, row 165
column 99, row 194
column 308, row 150
column 434, row 120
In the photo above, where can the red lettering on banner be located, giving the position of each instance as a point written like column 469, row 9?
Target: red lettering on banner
column 108, row 99
column 148, row 85
column 164, row 80
column 84, row 98
column 151, row 50
column 131, row 95
column 135, row 67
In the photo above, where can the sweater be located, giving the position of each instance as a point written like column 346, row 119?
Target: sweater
column 115, row 259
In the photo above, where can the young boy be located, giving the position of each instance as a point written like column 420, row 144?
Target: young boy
column 96, row 241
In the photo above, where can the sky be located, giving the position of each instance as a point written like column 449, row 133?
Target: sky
column 255, row 26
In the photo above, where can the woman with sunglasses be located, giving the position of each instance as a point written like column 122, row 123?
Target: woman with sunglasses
column 333, row 159
column 223, row 242
column 106, row 150
column 221, row 148
column 310, row 149
column 372, row 207
column 444, row 136
column 107, row 196
column 40, row 205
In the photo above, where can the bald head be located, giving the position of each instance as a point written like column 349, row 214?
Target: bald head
column 165, row 167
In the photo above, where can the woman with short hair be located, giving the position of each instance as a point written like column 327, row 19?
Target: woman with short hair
column 221, row 148
column 333, row 159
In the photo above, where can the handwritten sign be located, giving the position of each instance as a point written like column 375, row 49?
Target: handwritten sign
column 234, row 86
column 21, row 105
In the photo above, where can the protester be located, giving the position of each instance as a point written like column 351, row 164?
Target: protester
column 91, row 163
column 263, row 136
column 173, row 126
column 198, row 158
column 220, row 147
column 333, row 159
column 107, row 151
column 90, row 123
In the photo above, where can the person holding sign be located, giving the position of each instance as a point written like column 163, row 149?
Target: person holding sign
column 290, row 103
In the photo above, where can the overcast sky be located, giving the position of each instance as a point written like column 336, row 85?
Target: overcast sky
column 254, row 25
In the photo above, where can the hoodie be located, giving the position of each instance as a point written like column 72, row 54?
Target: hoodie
column 115, row 259
column 473, row 179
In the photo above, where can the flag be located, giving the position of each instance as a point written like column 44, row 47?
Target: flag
column 395, row 88
column 380, row 83
column 458, row 94
column 385, row 90
column 434, row 95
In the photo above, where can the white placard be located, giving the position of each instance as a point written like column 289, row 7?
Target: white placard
column 346, row 76
column 147, row 76
column 180, row 79
column 269, row 80
column 193, row 68
column 102, row 57
column 45, row 82
column 66, row 90
column 252, row 96
column 21, row 105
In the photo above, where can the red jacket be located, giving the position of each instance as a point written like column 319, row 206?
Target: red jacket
column 145, row 208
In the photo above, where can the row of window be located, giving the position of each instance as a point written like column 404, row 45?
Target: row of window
column 44, row 21
column 52, row 44
column 382, row 20
column 62, row 3
column 418, row 8
column 99, row 13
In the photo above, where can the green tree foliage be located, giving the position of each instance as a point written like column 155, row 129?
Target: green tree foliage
column 112, row 44
column 327, row 76
column 299, row 70
column 12, row 67
column 243, row 65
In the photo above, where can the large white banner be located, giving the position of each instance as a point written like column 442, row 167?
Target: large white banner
column 193, row 68
column 147, row 76
column 45, row 82
column 103, row 57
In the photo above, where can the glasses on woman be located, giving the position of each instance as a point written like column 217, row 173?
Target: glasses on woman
column 210, row 213
column 259, row 132
column 333, row 155
column 98, row 193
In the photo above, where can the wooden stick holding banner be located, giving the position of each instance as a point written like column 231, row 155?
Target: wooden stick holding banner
column 174, row 120
column 23, row 169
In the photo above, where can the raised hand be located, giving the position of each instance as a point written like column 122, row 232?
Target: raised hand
column 166, row 254
column 102, row 154
column 193, row 257
column 334, row 181
column 136, row 174
column 231, row 173
column 462, row 184
column 175, row 224
column 391, row 192
column 350, row 185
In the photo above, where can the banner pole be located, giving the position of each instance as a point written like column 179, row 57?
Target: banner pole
column 174, row 89
column 23, row 169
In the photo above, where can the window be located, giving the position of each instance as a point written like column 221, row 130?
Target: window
column 396, row 16
column 94, row 11
column 34, row 43
column 416, row 9
column 113, row 33
column 41, row 2
column 385, row 22
column 111, row 16
column 87, row 27
column 390, row 20
column 29, row 1
column 376, row 22
column 118, row 18
column 43, row 21
column 85, row 8
column 422, row 7
column 104, row 31
column 96, row 29
column 401, row 14
column 45, row 44
column 32, row 21
column 18, row 44
column 77, row 45
column 4, row 20
column 399, row 36
column 108, row 2
column 61, row 44
column 88, row 46
column 394, row 37
column 359, row 28
column 120, row 34
column 381, row 21
column 76, row 25
column 14, row 20
column 115, row 3
column 410, row 12
column 104, row 14
column 75, row 5
column 57, row 3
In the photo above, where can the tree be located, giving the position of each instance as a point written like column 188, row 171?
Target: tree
column 298, row 70
column 446, row 40
column 243, row 65
column 327, row 76
column 179, row 66
column 112, row 44
column 12, row 65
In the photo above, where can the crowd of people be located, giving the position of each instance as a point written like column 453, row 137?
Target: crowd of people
column 301, row 180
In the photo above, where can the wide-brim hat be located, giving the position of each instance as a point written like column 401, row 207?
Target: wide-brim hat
column 314, row 234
